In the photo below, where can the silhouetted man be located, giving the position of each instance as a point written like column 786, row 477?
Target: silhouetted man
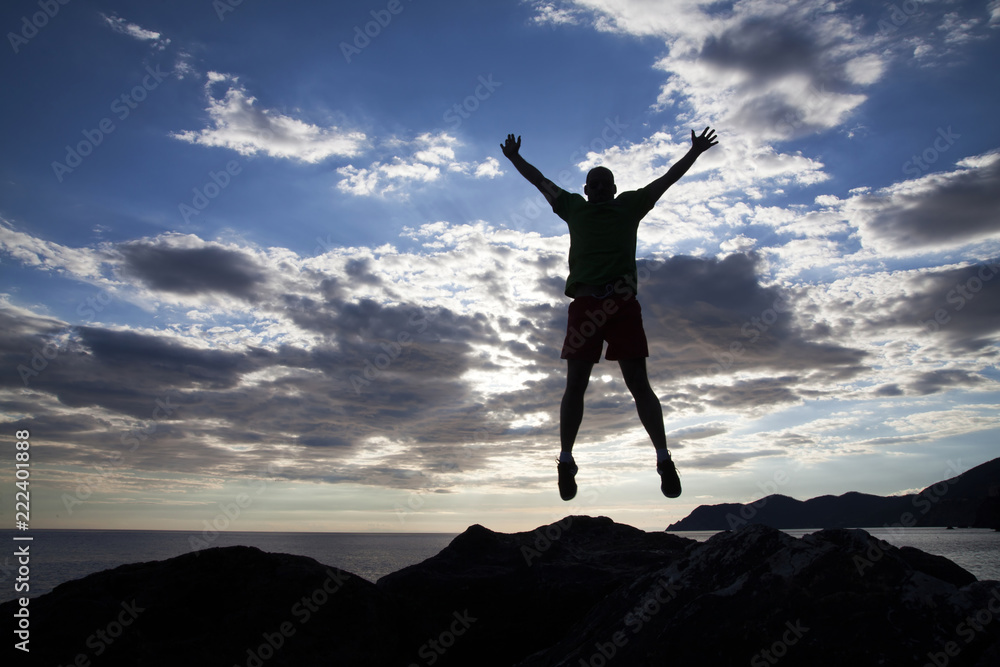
column 602, row 283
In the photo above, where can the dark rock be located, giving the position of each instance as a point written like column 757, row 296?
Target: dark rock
column 971, row 499
column 223, row 606
column 525, row 590
column 757, row 596
column 580, row 592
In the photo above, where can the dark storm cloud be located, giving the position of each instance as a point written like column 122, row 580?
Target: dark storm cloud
column 698, row 432
column 936, row 381
column 384, row 369
column 959, row 306
column 728, row 459
column 398, row 371
column 711, row 316
column 944, row 210
column 797, row 70
column 764, row 47
column 162, row 357
column 186, row 271
column 705, row 319
column 21, row 328
column 168, row 406
column 752, row 393
column 359, row 271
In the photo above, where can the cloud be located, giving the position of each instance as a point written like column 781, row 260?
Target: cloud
column 239, row 124
column 180, row 270
column 699, row 432
column 923, row 331
column 932, row 382
column 48, row 255
column 906, row 218
column 724, row 460
column 419, row 369
column 766, row 70
column 732, row 173
column 961, row 304
column 426, row 159
column 713, row 318
column 134, row 31
column 773, row 71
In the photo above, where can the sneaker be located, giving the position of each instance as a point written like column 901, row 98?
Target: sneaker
column 567, row 483
column 670, row 483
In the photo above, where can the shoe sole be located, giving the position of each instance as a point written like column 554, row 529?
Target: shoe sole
column 663, row 484
column 567, row 485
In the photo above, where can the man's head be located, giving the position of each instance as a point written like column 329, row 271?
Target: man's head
column 600, row 185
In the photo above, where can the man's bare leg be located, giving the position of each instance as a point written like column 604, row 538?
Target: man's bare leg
column 570, row 417
column 646, row 402
column 651, row 415
column 571, row 409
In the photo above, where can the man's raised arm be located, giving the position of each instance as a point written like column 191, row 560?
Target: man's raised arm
column 511, row 149
column 699, row 144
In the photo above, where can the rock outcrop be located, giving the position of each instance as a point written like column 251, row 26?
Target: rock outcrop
column 223, row 606
column 971, row 499
column 582, row 591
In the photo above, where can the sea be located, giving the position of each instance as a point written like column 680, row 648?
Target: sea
column 57, row 556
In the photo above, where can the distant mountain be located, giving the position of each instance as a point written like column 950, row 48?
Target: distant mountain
column 970, row 499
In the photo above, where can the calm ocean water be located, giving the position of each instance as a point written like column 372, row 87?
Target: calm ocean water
column 63, row 555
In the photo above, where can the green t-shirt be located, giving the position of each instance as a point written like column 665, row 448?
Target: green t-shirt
column 602, row 236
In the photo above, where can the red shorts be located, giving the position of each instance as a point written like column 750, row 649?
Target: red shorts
column 593, row 320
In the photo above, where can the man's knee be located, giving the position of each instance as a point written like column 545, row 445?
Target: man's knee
column 633, row 370
column 578, row 377
column 576, row 384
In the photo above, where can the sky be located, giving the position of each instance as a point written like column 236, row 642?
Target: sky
column 264, row 267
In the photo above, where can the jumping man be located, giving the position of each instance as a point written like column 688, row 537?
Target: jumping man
column 602, row 283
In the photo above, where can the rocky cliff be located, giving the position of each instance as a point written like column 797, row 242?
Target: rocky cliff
column 582, row 591
column 970, row 499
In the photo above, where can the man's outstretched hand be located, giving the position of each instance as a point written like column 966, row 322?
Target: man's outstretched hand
column 512, row 146
column 700, row 143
